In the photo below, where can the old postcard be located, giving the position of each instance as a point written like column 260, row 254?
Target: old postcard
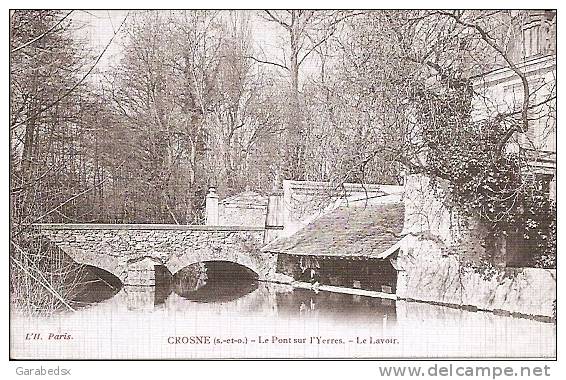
column 239, row 184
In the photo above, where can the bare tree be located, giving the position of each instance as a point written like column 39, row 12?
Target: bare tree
column 304, row 32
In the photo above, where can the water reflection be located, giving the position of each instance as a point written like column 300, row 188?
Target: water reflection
column 336, row 306
column 202, row 282
column 219, row 291
column 96, row 285
column 244, row 307
column 214, row 281
column 219, row 283
column 224, row 292
column 140, row 297
column 163, row 284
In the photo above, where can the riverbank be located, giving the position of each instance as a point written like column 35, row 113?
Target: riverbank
column 343, row 290
column 375, row 294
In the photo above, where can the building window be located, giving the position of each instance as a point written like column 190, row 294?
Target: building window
column 538, row 33
column 531, row 43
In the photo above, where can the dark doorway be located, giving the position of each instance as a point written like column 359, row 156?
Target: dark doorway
column 368, row 274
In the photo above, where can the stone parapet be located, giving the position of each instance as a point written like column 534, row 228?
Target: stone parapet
column 178, row 227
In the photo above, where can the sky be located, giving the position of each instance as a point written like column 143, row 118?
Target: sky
column 99, row 27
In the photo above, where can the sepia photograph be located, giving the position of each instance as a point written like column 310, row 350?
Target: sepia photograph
column 282, row 184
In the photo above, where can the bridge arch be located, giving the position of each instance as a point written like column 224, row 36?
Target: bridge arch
column 131, row 251
column 96, row 285
column 90, row 257
column 261, row 264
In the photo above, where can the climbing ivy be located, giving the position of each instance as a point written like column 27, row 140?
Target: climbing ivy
column 482, row 178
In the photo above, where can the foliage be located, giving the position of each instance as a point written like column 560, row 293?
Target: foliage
column 416, row 75
column 43, row 279
column 45, row 143
column 483, row 179
column 546, row 243
column 47, row 153
column 488, row 271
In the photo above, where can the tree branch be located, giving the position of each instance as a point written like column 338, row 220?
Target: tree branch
column 41, row 35
column 55, row 102
column 279, row 21
column 267, row 62
column 526, row 93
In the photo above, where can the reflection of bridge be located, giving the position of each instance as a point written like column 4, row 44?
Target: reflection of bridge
column 130, row 251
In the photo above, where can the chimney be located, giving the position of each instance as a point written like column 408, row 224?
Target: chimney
column 211, row 207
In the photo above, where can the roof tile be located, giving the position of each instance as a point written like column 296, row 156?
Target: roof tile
column 347, row 231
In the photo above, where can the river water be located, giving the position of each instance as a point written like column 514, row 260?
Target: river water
column 244, row 318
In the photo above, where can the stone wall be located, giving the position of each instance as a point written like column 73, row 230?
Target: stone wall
column 425, row 211
column 427, row 274
column 440, row 261
column 246, row 209
column 241, row 215
column 427, row 215
column 127, row 250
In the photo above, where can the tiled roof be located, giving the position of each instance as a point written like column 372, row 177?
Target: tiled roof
column 347, row 231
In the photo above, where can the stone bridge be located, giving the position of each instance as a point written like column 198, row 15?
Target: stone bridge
column 131, row 251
